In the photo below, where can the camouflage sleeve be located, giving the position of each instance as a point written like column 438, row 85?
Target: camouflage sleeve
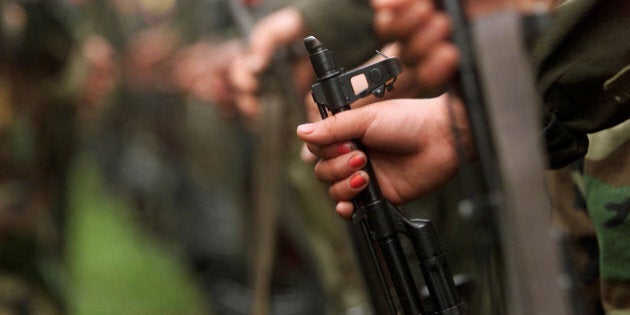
column 345, row 26
column 586, row 47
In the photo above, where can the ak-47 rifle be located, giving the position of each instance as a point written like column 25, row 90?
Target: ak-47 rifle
column 377, row 224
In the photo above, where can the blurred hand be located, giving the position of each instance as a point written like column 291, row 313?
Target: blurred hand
column 409, row 141
column 202, row 68
column 148, row 58
column 423, row 35
column 102, row 73
column 268, row 35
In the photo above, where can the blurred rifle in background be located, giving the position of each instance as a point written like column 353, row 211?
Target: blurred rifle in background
column 273, row 133
column 518, row 251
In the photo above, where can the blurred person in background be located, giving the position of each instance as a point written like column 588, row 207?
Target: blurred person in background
column 304, row 234
column 186, row 166
column 41, row 87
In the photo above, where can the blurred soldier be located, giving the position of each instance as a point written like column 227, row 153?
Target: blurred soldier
column 229, row 161
column 187, row 166
column 38, row 94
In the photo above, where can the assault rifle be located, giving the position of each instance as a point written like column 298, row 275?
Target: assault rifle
column 376, row 223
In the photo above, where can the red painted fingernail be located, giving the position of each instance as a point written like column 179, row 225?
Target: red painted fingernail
column 344, row 148
column 356, row 161
column 357, row 181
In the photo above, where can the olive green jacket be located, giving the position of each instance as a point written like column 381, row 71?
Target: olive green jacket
column 587, row 45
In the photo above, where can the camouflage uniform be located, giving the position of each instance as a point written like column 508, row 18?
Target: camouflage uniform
column 607, row 191
column 583, row 79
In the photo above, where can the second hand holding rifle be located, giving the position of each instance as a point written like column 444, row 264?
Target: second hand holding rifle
column 375, row 219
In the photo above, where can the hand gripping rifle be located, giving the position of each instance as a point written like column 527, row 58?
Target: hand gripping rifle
column 376, row 222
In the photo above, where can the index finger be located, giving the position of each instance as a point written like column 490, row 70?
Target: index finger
column 342, row 127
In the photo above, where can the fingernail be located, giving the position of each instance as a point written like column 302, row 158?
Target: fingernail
column 306, row 128
column 357, row 181
column 345, row 148
column 356, row 161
